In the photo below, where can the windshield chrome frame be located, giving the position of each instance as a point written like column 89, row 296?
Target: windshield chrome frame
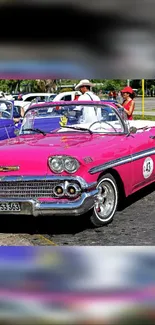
column 79, row 103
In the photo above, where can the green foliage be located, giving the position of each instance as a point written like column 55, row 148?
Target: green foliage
column 42, row 85
column 68, row 81
column 18, row 85
column 110, row 84
column 6, row 85
column 137, row 83
column 34, row 86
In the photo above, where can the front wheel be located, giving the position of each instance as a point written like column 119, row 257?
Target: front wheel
column 106, row 201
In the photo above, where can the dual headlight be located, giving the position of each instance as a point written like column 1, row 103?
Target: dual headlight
column 59, row 164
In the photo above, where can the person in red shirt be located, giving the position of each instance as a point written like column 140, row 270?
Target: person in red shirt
column 76, row 96
column 110, row 95
column 128, row 102
column 114, row 95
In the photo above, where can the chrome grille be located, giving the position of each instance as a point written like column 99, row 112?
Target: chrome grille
column 28, row 189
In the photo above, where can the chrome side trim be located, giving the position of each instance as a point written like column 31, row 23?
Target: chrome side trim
column 122, row 161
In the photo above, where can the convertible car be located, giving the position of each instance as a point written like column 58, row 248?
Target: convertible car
column 83, row 169
column 8, row 128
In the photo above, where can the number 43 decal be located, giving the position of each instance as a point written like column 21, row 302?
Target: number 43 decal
column 148, row 167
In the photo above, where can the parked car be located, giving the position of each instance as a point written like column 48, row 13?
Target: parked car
column 8, row 128
column 15, row 96
column 77, row 170
column 66, row 96
column 27, row 99
column 43, row 97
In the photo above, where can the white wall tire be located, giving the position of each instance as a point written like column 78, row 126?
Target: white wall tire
column 106, row 201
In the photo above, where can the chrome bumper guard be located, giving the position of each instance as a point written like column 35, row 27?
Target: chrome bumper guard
column 70, row 208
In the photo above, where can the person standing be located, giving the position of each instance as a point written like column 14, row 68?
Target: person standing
column 84, row 86
column 114, row 95
column 128, row 102
column 89, row 114
column 119, row 97
column 76, row 96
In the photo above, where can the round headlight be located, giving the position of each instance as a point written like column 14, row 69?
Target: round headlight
column 71, row 165
column 56, row 164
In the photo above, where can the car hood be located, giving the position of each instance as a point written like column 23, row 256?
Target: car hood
column 31, row 152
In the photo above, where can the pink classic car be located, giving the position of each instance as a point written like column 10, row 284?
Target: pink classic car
column 82, row 168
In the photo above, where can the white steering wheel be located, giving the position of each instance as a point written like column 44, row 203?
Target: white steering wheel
column 101, row 126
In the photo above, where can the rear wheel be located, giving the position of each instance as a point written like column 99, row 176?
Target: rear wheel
column 106, row 201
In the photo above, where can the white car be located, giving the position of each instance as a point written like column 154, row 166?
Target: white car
column 27, row 99
column 22, row 104
column 15, row 97
column 66, row 96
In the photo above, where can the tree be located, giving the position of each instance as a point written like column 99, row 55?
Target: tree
column 51, row 85
column 48, row 85
column 8, row 85
column 109, row 84
column 28, row 85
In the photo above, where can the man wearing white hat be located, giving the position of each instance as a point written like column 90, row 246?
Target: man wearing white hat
column 84, row 86
column 89, row 114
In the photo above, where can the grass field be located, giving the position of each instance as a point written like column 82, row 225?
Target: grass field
column 147, row 117
column 139, row 109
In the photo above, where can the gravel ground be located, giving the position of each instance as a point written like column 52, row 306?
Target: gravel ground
column 13, row 240
column 134, row 225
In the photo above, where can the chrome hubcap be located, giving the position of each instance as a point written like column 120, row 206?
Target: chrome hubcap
column 105, row 200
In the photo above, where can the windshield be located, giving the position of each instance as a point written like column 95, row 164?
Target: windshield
column 42, row 98
column 6, row 109
column 48, row 117
column 50, row 98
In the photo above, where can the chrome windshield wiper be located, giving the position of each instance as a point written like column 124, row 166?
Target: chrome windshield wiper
column 77, row 128
column 35, row 130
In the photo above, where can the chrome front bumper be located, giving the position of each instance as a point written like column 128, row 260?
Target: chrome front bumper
column 36, row 208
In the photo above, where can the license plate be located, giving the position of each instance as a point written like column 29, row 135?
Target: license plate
column 9, row 206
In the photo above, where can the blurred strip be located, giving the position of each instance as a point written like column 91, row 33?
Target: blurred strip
column 140, row 12
column 106, row 39
column 78, row 270
column 77, row 285
column 35, row 69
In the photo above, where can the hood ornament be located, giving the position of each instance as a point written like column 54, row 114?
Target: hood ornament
column 8, row 168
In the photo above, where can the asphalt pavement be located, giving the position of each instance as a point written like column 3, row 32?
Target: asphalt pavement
column 149, row 103
column 146, row 113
